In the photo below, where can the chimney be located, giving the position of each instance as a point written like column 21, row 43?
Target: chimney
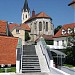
column 33, row 13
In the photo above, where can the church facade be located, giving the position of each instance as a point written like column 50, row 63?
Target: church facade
column 40, row 24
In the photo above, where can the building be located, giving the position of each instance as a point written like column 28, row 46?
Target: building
column 61, row 38
column 19, row 31
column 39, row 23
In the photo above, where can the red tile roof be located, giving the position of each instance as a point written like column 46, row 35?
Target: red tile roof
column 25, row 27
column 46, row 37
column 65, row 27
column 12, row 25
column 8, row 50
column 71, row 3
column 3, row 27
column 40, row 15
column 22, row 26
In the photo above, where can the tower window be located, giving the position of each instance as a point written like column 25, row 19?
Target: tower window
column 26, row 16
column 23, row 16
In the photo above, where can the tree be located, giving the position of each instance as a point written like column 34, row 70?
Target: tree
column 70, row 52
column 57, row 29
column 27, row 37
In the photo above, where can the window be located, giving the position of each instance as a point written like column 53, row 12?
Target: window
column 35, row 26
column 23, row 16
column 26, row 16
column 46, row 26
column 57, row 43
column 40, row 26
column 63, row 32
column 17, row 31
column 62, row 42
column 69, row 31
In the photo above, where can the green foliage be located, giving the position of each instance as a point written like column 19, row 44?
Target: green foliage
column 70, row 52
column 49, row 42
column 11, row 69
column 27, row 36
column 57, row 29
column 68, row 65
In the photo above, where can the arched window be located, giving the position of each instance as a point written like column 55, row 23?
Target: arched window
column 40, row 26
column 46, row 26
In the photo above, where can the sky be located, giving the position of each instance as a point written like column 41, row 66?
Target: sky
column 58, row 10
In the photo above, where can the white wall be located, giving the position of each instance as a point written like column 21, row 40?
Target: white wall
column 36, row 31
column 21, row 35
column 60, row 41
column 24, row 16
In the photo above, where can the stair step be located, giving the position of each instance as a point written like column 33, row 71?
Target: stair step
column 30, row 68
column 30, row 60
column 29, row 71
column 30, row 55
column 30, row 65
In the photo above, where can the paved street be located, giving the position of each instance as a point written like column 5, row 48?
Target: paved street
column 68, row 70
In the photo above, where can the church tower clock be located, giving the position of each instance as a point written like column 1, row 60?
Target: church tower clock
column 25, row 12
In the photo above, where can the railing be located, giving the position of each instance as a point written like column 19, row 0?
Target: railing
column 44, row 51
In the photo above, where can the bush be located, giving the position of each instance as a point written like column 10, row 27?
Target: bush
column 27, row 37
column 70, row 52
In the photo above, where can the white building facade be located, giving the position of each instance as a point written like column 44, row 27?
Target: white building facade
column 61, row 38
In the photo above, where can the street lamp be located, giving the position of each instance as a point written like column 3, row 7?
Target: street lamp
column 72, row 4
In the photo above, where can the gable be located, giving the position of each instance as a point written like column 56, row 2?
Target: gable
column 65, row 28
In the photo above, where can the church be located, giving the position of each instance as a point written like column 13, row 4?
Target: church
column 40, row 24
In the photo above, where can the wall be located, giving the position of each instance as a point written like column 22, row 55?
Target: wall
column 24, row 16
column 60, row 41
column 21, row 35
column 34, row 25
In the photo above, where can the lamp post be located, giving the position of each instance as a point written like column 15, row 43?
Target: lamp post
column 72, row 4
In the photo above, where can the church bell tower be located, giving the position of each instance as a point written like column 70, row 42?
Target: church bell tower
column 25, row 12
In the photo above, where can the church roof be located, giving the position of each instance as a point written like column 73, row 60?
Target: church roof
column 8, row 50
column 25, row 7
column 39, row 15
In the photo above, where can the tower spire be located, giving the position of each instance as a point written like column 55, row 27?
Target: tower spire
column 26, row 7
column 25, row 12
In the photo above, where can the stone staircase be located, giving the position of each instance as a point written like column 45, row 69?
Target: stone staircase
column 30, row 62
